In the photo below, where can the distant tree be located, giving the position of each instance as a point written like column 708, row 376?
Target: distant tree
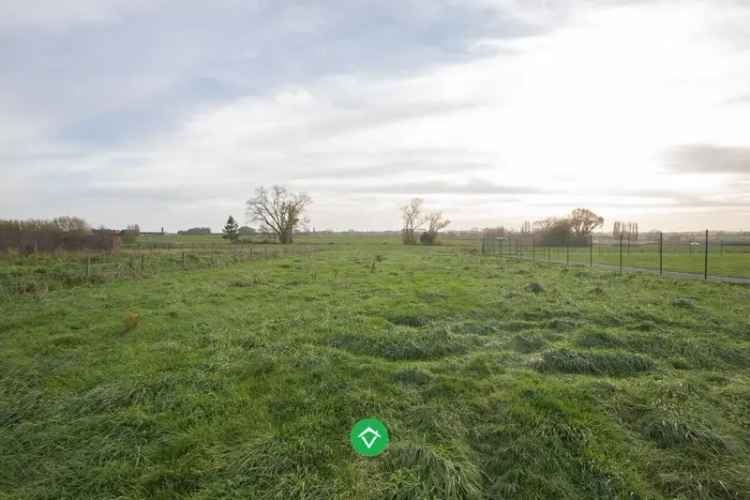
column 435, row 223
column 131, row 233
column 617, row 229
column 553, row 231
column 195, row 231
column 246, row 230
column 71, row 224
column 412, row 220
column 231, row 230
column 633, row 231
column 526, row 228
column 495, row 232
column 278, row 211
column 583, row 221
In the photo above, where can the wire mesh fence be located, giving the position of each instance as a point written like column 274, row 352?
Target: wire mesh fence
column 695, row 255
column 30, row 274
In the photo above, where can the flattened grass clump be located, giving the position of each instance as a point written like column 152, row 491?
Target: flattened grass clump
column 475, row 327
column 402, row 344
column 563, row 324
column 597, row 339
column 276, row 467
column 412, row 320
column 412, row 376
column 528, row 343
column 673, row 431
column 422, row 471
column 683, row 302
column 597, row 363
column 535, row 287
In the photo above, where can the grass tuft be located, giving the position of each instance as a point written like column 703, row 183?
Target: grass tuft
column 597, row 363
column 131, row 321
column 422, row 471
column 535, row 287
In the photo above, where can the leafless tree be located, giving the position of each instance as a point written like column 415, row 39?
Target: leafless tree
column 71, row 224
column 278, row 211
column 413, row 219
column 583, row 221
column 435, row 223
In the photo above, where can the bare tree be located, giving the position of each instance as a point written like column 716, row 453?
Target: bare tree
column 413, row 219
column 71, row 224
column 278, row 211
column 435, row 223
column 583, row 221
column 618, row 230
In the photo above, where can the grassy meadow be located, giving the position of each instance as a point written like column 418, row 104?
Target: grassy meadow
column 497, row 378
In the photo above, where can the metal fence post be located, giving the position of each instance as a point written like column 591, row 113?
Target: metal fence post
column 567, row 252
column 661, row 253
column 533, row 250
column 620, row 253
column 705, row 259
column 591, row 250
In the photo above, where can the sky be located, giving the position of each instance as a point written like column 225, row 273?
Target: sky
column 170, row 113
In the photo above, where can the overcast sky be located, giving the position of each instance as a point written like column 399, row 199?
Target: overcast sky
column 169, row 113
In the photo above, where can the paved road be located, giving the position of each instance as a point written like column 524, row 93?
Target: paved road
column 666, row 274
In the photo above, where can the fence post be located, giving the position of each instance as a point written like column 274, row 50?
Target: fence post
column 88, row 266
column 620, row 253
column 567, row 252
column 591, row 250
column 661, row 253
column 533, row 250
column 705, row 259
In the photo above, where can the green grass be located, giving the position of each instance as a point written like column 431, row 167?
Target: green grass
column 243, row 381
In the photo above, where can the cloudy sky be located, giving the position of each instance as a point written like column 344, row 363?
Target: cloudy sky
column 169, row 113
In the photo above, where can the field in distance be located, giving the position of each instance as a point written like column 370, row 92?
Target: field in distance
column 496, row 378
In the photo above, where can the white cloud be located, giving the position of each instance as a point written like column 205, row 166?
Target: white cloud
column 585, row 111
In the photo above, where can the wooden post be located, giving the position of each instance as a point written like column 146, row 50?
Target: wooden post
column 88, row 266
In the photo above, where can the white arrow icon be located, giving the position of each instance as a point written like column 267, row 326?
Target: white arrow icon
column 375, row 437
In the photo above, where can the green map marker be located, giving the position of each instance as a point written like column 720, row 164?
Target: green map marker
column 369, row 437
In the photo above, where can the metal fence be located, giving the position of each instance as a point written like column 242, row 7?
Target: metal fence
column 703, row 255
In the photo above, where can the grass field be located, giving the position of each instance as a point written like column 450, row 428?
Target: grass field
column 497, row 378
